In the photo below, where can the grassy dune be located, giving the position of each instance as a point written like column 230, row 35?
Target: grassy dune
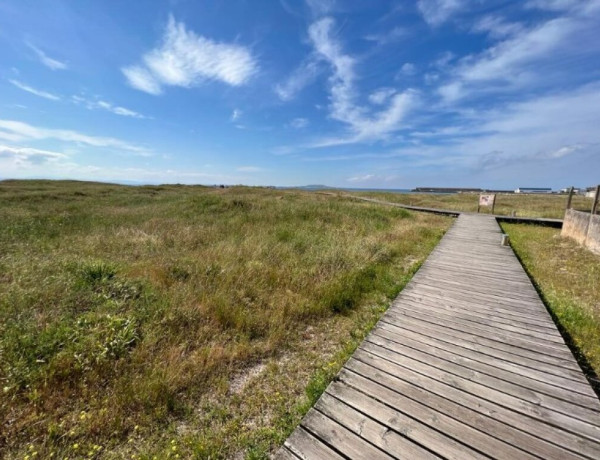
column 181, row 321
column 549, row 206
column 567, row 276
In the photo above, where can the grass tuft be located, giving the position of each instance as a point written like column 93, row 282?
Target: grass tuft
column 96, row 272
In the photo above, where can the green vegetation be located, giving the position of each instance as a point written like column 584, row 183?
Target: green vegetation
column 184, row 321
column 549, row 206
column 567, row 276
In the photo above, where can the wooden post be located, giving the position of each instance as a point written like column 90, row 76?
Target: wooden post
column 595, row 205
column 493, row 203
column 570, row 198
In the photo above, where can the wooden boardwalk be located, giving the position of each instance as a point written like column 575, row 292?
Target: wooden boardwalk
column 466, row 363
column 556, row 223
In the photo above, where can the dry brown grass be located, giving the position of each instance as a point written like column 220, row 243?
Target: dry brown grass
column 127, row 313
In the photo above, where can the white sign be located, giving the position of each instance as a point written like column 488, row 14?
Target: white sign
column 487, row 200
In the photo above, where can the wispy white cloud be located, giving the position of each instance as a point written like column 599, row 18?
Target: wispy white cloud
column 302, row 76
column 80, row 100
column 497, row 27
column 363, row 124
column 502, row 60
column 443, row 60
column 99, row 104
column 552, row 5
column 249, row 169
column 29, row 155
column 373, row 179
column 17, row 131
column 321, row 7
column 391, row 36
column 140, row 78
column 382, row 95
column 283, row 150
column 186, row 59
column 517, row 60
column 299, row 123
column 566, row 150
column 64, row 168
column 37, row 92
column 49, row 62
column 236, row 114
column 361, row 178
column 407, row 69
column 436, row 12
column 542, row 129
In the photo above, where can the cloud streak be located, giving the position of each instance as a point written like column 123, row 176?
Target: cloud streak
column 104, row 105
column 301, row 77
column 299, row 123
column 185, row 59
column 17, row 131
column 49, row 62
column 249, row 169
column 436, row 12
column 37, row 92
column 29, row 155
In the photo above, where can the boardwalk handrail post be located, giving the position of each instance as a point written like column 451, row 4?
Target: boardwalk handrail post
column 595, row 204
column 569, row 198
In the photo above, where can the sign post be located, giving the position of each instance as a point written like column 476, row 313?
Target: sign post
column 570, row 198
column 596, row 198
column 487, row 200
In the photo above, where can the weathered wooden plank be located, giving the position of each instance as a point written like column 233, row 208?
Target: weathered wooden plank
column 444, row 292
column 484, row 322
column 535, row 411
column 442, row 263
column 515, row 340
column 345, row 441
column 463, row 424
column 508, row 357
column 389, row 415
column 443, row 398
column 503, row 313
column 285, row 454
column 483, row 296
column 379, row 435
column 481, row 312
column 496, row 352
column 488, row 286
column 525, row 376
column 307, row 447
column 535, row 392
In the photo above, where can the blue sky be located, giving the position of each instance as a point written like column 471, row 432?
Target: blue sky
column 385, row 94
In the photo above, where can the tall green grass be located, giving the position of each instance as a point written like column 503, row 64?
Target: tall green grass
column 567, row 275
